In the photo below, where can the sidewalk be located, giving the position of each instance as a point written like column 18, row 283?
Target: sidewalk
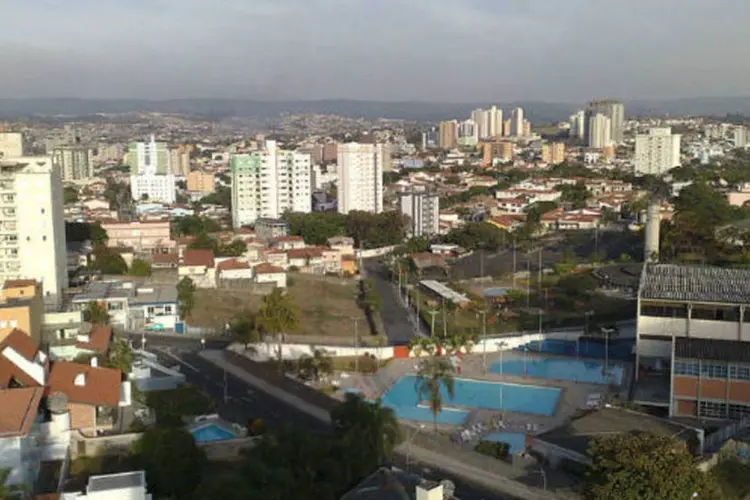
column 487, row 479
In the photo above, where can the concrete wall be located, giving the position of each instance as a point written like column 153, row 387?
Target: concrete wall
column 82, row 446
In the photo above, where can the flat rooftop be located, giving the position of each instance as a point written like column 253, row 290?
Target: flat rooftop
column 685, row 283
column 577, row 434
column 444, row 292
column 111, row 482
column 155, row 294
column 103, row 290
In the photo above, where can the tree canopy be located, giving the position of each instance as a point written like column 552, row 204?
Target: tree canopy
column 477, row 236
column 192, row 225
column 185, row 296
column 140, row 267
column 368, row 230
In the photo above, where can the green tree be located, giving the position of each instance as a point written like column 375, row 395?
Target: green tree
column 170, row 406
column 11, row 491
column 245, row 328
column 577, row 285
column 193, row 225
column 316, row 227
column 120, row 356
column 173, row 462
column 70, row 195
column 108, row 261
column 203, row 241
column 317, row 366
column 221, row 196
column 140, row 267
column 708, row 205
column 477, row 236
column 96, row 313
column 235, row 248
column 278, row 314
column 575, row 194
column 371, row 431
column 435, row 376
column 185, row 296
column 644, row 465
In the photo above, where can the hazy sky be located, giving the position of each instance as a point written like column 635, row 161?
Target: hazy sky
column 455, row 50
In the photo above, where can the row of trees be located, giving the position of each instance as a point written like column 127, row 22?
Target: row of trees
column 368, row 230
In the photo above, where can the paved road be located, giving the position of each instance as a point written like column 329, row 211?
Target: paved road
column 398, row 324
column 245, row 403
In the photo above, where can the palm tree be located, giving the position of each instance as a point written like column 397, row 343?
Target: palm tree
column 277, row 315
column 371, row 428
column 418, row 345
column 434, row 375
column 96, row 313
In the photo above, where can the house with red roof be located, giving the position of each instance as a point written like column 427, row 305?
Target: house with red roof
column 199, row 266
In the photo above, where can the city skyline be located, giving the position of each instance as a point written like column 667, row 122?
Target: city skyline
column 245, row 49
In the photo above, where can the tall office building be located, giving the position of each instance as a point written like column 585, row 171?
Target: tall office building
column 740, row 136
column 151, row 175
column 657, row 151
column 599, row 131
column 267, row 183
column 448, row 136
column 76, row 163
column 516, row 122
column 11, row 144
column 423, row 210
column 577, row 125
column 615, row 111
column 360, row 177
column 32, row 240
column 553, row 153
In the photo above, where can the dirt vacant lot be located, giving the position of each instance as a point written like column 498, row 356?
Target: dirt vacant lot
column 327, row 306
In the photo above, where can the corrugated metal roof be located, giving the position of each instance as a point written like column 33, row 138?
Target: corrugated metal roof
column 696, row 284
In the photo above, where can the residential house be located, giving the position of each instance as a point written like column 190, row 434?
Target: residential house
column 198, row 265
column 579, row 219
column 93, row 394
column 508, row 222
column 60, row 332
column 277, row 258
column 331, row 260
column 122, row 486
column 512, row 205
column 19, row 430
column 91, row 340
column 307, row 260
column 22, row 307
column 233, row 269
column 115, row 295
column 349, row 266
column 344, row 244
column 267, row 273
column 22, row 364
column 287, row 242
column 154, row 307
column 254, row 250
column 165, row 260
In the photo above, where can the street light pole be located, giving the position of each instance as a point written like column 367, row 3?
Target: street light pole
column 356, row 345
column 226, row 391
column 483, row 313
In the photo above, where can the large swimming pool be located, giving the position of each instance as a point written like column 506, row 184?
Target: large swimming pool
column 577, row 370
column 402, row 397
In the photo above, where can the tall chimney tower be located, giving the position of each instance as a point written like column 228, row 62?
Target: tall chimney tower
column 653, row 223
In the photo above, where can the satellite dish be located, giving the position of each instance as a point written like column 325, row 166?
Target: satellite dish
column 449, row 489
column 57, row 402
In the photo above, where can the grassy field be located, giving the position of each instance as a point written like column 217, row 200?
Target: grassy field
column 327, row 306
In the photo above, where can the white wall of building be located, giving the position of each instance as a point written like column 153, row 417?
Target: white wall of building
column 423, row 210
column 11, row 144
column 156, row 187
column 360, row 177
column 600, row 131
column 657, row 151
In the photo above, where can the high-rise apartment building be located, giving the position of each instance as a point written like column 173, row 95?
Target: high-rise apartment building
column 615, row 111
column 360, row 177
column 553, row 153
column 496, row 150
column 507, row 127
column 179, row 161
column 468, row 133
column 657, row 151
column 481, row 117
column 76, row 163
column 448, row 134
column 200, row 182
column 577, row 125
column 423, row 210
column 496, row 122
column 268, row 183
column 740, row 136
column 430, row 139
column 599, row 131
column 11, row 144
column 32, row 236
column 151, row 175
column 516, row 122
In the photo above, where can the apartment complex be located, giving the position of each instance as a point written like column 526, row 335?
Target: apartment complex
column 599, row 131
column 32, row 229
column 76, row 163
column 423, row 211
column 489, row 122
column 553, row 153
column 360, row 177
column 200, row 182
column 496, row 150
column 11, row 144
column 448, row 134
column 577, row 125
column 151, row 174
column 615, row 112
column 657, row 151
column 268, row 183
column 517, row 128
column 179, row 161
column 691, row 325
column 143, row 237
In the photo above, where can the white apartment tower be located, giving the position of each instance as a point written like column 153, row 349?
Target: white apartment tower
column 615, row 111
column 516, row 122
column 267, row 183
column 423, row 210
column 151, row 174
column 360, row 177
column 32, row 227
column 11, row 144
column 578, row 124
column 740, row 136
column 76, row 163
column 599, row 131
column 657, row 151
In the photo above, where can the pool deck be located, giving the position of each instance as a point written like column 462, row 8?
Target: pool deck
column 573, row 395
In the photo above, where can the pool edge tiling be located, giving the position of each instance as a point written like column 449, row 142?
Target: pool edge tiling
column 470, row 394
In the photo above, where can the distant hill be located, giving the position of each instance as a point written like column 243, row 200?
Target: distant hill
column 536, row 111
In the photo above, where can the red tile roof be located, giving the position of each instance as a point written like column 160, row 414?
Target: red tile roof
column 280, row 239
column 165, row 258
column 198, row 257
column 230, row 264
column 266, row 268
column 18, row 283
column 20, row 406
column 23, row 345
column 304, row 253
column 101, row 386
column 99, row 339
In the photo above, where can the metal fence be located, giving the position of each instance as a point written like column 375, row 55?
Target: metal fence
column 714, row 441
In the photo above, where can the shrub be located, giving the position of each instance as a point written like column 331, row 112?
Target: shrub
column 498, row 450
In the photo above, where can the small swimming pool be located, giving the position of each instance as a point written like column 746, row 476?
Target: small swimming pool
column 516, row 440
column 577, row 370
column 211, row 432
column 403, row 399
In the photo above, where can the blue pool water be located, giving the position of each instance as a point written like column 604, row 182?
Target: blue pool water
column 516, row 440
column 402, row 398
column 620, row 349
column 578, row 370
column 211, row 432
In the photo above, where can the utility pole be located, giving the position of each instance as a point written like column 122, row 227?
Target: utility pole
column 514, row 261
column 528, row 282
column 539, row 278
column 226, row 391
column 356, row 345
column 483, row 313
column 432, row 313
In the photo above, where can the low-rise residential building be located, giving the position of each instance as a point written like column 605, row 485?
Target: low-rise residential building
column 154, row 307
column 268, row 229
column 19, row 431
column 307, row 260
column 234, row 269
column 22, row 307
column 287, row 242
column 198, row 265
column 126, row 485
column 200, row 182
column 344, row 244
column 267, row 273
column 349, row 265
column 146, row 237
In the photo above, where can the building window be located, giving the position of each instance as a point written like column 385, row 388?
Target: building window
column 687, row 368
column 713, row 370
column 738, row 411
column 711, row 409
column 739, row 372
column 664, row 312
